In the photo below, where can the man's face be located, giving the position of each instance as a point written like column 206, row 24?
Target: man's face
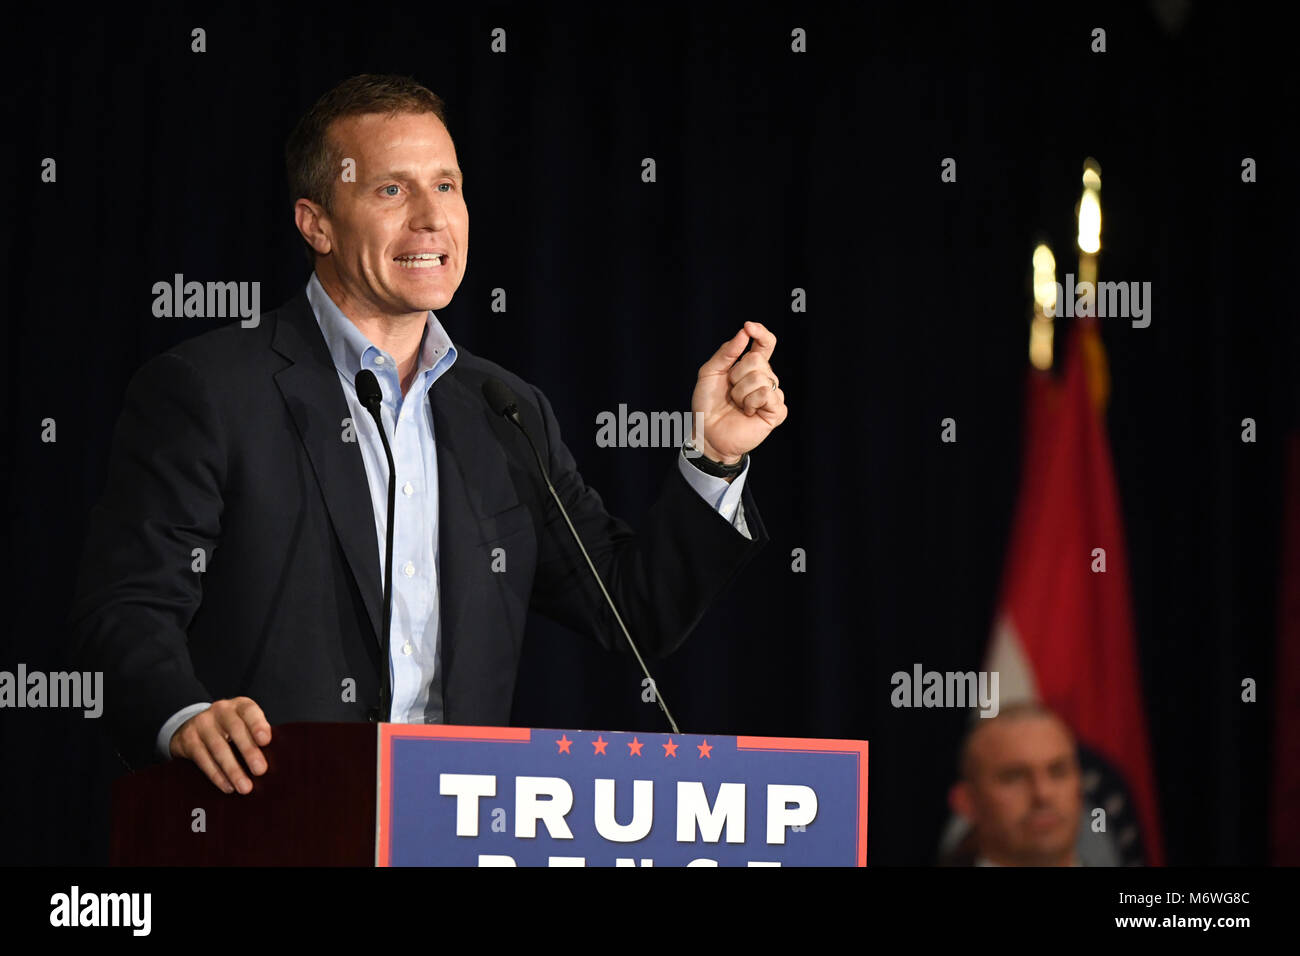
column 1023, row 797
column 407, row 201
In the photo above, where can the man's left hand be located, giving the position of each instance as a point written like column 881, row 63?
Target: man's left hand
column 738, row 398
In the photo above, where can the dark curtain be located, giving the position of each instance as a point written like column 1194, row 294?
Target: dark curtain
column 775, row 170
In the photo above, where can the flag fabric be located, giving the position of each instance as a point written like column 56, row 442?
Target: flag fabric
column 1065, row 633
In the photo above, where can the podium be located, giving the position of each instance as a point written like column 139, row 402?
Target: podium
column 314, row 806
column 429, row 795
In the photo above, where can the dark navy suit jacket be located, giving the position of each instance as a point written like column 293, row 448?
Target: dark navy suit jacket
column 232, row 442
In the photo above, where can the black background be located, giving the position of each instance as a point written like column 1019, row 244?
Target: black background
column 775, row 170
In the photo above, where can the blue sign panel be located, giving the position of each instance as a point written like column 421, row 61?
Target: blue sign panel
column 500, row 796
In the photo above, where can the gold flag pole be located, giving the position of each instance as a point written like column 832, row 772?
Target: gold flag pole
column 1041, row 327
column 1089, row 241
column 1089, row 213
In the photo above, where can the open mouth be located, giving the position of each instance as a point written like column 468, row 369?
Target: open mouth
column 420, row 260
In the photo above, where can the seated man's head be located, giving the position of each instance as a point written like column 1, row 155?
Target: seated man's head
column 378, row 192
column 1020, row 788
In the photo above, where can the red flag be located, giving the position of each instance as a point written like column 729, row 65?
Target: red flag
column 1065, row 634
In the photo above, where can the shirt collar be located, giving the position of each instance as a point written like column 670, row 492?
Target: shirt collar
column 985, row 861
column 352, row 351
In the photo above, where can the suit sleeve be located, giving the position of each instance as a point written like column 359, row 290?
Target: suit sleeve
column 137, row 589
column 662, row 579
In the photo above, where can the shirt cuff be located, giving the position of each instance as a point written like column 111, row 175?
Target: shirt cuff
column 164, row 743
column 722, row 496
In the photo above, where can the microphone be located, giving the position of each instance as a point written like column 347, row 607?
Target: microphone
column 502, row 401
column 372, row 397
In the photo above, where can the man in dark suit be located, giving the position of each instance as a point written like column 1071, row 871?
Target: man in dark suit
column 232, row 575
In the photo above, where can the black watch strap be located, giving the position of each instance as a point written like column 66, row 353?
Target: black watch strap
column 710, row 467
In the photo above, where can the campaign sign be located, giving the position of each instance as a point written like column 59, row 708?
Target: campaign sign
column 503, row 796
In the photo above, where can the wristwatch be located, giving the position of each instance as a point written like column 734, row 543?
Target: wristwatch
column 710, row 467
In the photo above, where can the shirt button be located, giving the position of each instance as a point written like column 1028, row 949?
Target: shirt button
column 379, row 360
column 406, row 648
column 408, row 489
column 409, row 570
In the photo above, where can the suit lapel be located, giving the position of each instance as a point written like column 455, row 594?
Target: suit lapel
column 473, row 484
column 315, row 399
column 474, row 480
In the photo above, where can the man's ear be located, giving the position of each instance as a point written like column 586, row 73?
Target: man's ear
column 959, row 801
column 314, row 224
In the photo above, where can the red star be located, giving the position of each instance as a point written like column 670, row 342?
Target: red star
column 670, row 748
column 564, row 743
column 704, row 749
column 600, row 743
column 634, row 748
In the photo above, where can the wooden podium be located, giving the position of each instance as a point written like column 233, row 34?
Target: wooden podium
column 314, row 806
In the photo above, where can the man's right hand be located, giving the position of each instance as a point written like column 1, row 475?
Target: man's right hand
column 206, row 738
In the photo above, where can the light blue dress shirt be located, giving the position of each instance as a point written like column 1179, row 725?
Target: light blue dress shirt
column 408, row 421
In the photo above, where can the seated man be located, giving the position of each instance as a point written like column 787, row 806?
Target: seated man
column 1020, row 790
